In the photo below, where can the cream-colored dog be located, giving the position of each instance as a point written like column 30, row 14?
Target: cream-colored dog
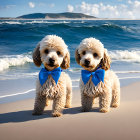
column 93, row 57
column 53, row 53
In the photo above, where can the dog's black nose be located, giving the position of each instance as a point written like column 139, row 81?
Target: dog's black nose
column 51, row 60
column 87, row 62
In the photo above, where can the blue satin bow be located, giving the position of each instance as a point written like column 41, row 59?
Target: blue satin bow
column 97, row 76
column 43, row 75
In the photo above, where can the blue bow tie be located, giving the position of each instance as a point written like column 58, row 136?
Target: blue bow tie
column 97, row 76
column 43, row 75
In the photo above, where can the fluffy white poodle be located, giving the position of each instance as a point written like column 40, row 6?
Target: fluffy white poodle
column 52, row 83
column 97, row 80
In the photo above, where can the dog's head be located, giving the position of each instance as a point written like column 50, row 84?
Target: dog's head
column 91, row 54
column 52, row 52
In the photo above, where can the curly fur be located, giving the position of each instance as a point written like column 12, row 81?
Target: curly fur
column 109, row 91
column 61, row 94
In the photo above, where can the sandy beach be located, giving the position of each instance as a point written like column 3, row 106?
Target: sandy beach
column 49, row 34
column 16, row 121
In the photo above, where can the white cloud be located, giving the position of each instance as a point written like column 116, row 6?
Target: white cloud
column 31, row 4
column 129, row 10
column 70, row 8
column 129, row 1
column 137, row 3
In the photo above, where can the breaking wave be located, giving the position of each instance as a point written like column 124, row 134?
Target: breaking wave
column 82, row 24
column 7, row 61
column 33, row 22
column 125, row 55
column 10, row 22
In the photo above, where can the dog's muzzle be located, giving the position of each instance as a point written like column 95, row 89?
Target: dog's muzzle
column 51, row 62
column 87, row 62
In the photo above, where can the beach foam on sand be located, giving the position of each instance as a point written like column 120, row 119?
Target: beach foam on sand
column 17, row 122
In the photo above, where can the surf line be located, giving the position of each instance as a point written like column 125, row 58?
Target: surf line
column 129, row 78
column 17, row 93
column 72, row 86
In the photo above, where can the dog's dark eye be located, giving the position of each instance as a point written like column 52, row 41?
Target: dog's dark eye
column 46, row 51
column 84, row 52
column 58, row 53
column 95, row 54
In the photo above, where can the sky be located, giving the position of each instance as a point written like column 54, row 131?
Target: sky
column 98, row 8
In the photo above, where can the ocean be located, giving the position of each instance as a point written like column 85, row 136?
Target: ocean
column 18, row 38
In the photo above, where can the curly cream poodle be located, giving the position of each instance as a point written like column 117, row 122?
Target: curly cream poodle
column 97, row 80
column 52, row 83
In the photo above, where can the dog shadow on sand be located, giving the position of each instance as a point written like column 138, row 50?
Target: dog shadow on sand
column 26, row 115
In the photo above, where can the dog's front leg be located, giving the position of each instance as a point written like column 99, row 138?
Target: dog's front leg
column 68, row 98
column 86, row 103
column 39, row 105
column 105, row 101
column 58, row 105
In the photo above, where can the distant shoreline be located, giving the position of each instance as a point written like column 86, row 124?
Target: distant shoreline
column 68, row 19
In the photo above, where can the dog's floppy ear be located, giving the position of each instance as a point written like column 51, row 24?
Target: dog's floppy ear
column 77, row 56
column 66, row 61
column 105, row 62
column 36, row 56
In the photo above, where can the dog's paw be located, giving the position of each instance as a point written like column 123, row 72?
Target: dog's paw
column 67, row 106
column 47, row 104
column 56, row 114
column 85, row 110
column 104, row 110
column 36, row 113
column 115, row 105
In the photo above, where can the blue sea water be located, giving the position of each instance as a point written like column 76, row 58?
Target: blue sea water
column 18, row 38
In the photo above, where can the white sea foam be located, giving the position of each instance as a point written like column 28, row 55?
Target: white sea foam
column 15, row 94
column 13, row 60
column 22, row 93
column 33, row 22
column 75, row 80
column 75, row 69
column 43, row 21
column 18, row 76
column 10, row 22
column 118, row 26
column 75, row 86
column 124, row 78
column 125, row 55
column 38, row 22
column 125, row 72
column 7, row 61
